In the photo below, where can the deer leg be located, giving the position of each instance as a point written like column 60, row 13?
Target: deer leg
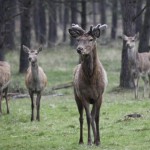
column 145, row 85
column 6, row 90
column 38, row 105
column 1, row 95
column 93, row 114
column 97, row 142
column 80, row 109
column 89, row 120
column 136, row 80
column 32, row 104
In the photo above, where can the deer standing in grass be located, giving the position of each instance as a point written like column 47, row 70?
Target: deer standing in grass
column 5, row 75
column 35, row 80
column 139, row 64
column 90, row 79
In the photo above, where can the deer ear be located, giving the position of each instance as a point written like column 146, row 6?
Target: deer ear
column 75, row 33
column 26, row 49
column 40, row 49
column 124, row 37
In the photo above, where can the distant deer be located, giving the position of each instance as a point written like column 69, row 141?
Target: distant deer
column 139, row 63
column 35, row 80
column 90, row 79
column 5, row 75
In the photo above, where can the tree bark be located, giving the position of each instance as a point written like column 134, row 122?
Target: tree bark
column 25, row 33
column 73, row 18
column 52, row 33
column 114, row 19
column 94, row 12
column 139, row 19
column 83, row 14
column 102, row 9
column 3, row 7
column 128, row 13
column 66, row 20
column 10, row 25
column 145, row 33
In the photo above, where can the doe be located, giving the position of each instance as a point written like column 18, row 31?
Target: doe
column 139, row 64
column 5, row 75
column 35, row 80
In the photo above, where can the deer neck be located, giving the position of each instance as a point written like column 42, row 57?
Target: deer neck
column 132, row 56
column 34, row 70
column 89, row 63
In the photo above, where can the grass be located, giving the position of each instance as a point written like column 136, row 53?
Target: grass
column 59, row 125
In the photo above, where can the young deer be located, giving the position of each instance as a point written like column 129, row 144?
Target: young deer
column 5, row 75
column 35, row 80
column 139, row 63
column 90, row 79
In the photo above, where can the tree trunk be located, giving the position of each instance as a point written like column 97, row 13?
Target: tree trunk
column 114, row 19
column 102, row 9
column 25, row 33
column 52, row 33
column 83, row 14
column 128, row 13
column 36, row 19
column 3, row 8
column 94, row 12
column 145, row 33
column 65, row 22
column 10, row 25
column 139, row 19
column 42, row 23
column 60, row 12
column 73, row 19
column 39, row 17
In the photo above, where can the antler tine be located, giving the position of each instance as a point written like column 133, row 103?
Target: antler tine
column 104, row 25
column 76, row 26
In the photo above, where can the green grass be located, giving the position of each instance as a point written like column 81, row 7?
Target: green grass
column 59, row 125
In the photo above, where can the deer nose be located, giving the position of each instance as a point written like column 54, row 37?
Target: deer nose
column 79, row 50
column 29, row 58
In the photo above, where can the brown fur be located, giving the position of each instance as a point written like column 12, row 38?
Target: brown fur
column 90, row 80
column 5, row 75
column 139, row 64
column 35, row 80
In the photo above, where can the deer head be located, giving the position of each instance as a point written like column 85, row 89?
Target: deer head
column 130, row 41
column 32, row 54
column 86, row 40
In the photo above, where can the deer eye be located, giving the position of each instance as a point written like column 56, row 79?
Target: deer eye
column 90, row 40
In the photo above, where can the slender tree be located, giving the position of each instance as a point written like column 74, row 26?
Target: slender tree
column 73, row 18
column 83, row 14
column 94, row 11
column 39, row 18
column 128, row 13
column 114, row 19
column 9, row 41
column 25, row 33
column 139, row 19
column 52, row 33
column 66, row 19
column 145, row 33
column 102, row 10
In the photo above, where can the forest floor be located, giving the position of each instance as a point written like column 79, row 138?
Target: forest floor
column 59, row 125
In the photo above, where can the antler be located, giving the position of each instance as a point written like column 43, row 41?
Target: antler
column 76, row 31
column 95, row 31
column 77, row 27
